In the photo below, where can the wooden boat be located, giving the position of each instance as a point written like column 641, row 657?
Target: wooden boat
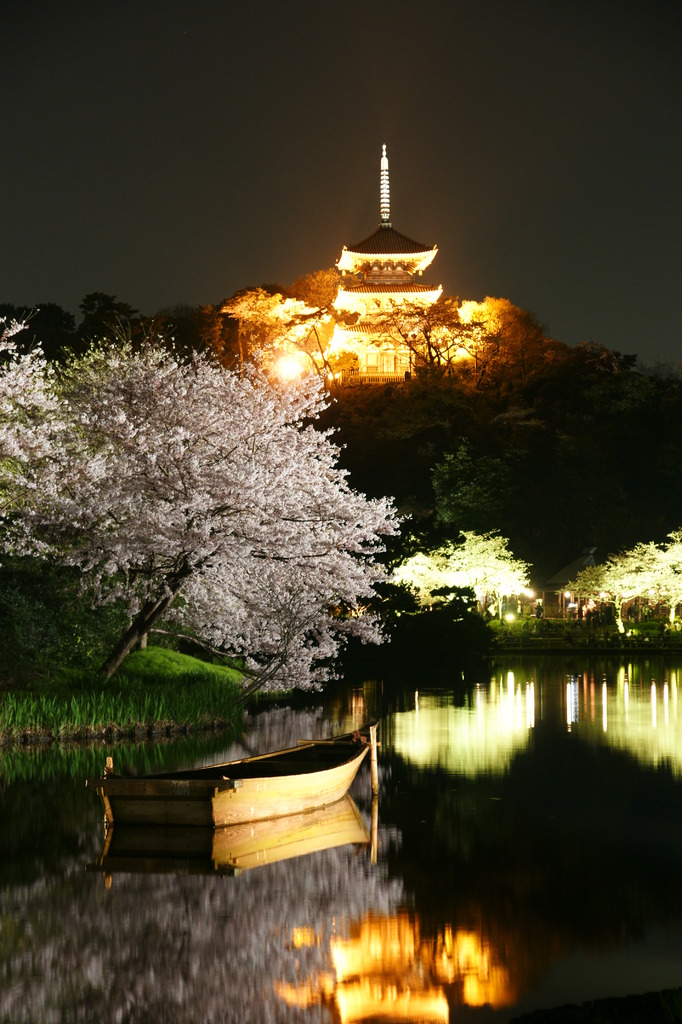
column 301, row 778
column 179, row 849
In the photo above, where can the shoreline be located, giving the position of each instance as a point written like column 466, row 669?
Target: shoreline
column 576, row 644
column 110, row 735
column 662, row 1007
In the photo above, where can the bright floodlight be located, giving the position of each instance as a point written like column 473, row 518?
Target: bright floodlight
column 288, row 367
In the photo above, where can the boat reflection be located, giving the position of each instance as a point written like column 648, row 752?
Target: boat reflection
column 386, row 969
column 228, row 851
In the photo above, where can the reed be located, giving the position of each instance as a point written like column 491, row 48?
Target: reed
column 155, row 688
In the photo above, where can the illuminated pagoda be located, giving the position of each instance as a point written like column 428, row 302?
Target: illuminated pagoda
column 379, row 275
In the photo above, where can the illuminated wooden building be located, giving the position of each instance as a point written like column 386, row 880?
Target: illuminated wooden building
column 378, row 275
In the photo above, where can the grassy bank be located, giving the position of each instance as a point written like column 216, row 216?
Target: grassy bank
column 155, row 692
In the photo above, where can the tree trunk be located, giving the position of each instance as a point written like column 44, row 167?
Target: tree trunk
column 150, row 613
column 618, row 605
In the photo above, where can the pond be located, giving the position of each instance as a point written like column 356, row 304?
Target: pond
column 524, row 852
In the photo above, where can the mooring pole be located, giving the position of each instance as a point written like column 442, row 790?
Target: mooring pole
column 374, row 769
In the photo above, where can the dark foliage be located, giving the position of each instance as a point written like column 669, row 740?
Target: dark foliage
column 47, row 621
column 581, row 450
column 47, row 325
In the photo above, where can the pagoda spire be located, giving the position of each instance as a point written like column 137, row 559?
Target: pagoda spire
column 384, row 191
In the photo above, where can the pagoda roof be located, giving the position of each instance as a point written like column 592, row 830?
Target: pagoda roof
column 359, row 328
column 386, row 241
column 389, row 289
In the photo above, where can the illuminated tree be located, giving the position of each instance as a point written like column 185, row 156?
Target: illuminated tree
column 284, row 333
column 257, row 314
column 184, row 486
column 501, row 339
column 481, row 562
column 29, row 419
column 433, row 332
column 318, row 289
column 620, row 579
column 650, row 571
column 668, row 573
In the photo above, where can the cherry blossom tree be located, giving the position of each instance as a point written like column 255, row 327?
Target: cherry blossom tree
column 668, row 579
column 647, row 570
column 30, row 421
column 481, row 562
column 620, row 578
column 181, row 488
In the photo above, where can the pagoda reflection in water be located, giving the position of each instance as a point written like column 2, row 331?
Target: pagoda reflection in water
column 387, row 968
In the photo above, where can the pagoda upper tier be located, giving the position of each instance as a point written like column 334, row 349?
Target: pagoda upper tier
column 386, row 256
column 386, row 251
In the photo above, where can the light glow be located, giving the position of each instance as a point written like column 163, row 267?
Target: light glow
column 288, row 367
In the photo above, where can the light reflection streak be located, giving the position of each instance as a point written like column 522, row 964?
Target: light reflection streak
column 630, row 717
column 626, row 699
column 665, row 705
column 530, row 705
column 484, row 735
column 572, row 702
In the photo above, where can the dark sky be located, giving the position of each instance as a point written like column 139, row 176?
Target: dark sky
column 174, row 152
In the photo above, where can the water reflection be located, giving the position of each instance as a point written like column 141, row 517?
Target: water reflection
column 494, row 724
column 388, row 969
column 629, row 712
column 527, row 821
column 481, row 736
column 178, row 849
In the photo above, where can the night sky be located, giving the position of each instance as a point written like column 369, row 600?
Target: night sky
column 174, row 152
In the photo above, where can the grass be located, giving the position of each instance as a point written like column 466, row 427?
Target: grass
column 155, row 689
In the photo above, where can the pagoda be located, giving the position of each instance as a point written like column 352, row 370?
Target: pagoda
column 379, row 275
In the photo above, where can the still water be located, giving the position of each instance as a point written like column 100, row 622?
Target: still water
column 526, row 851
